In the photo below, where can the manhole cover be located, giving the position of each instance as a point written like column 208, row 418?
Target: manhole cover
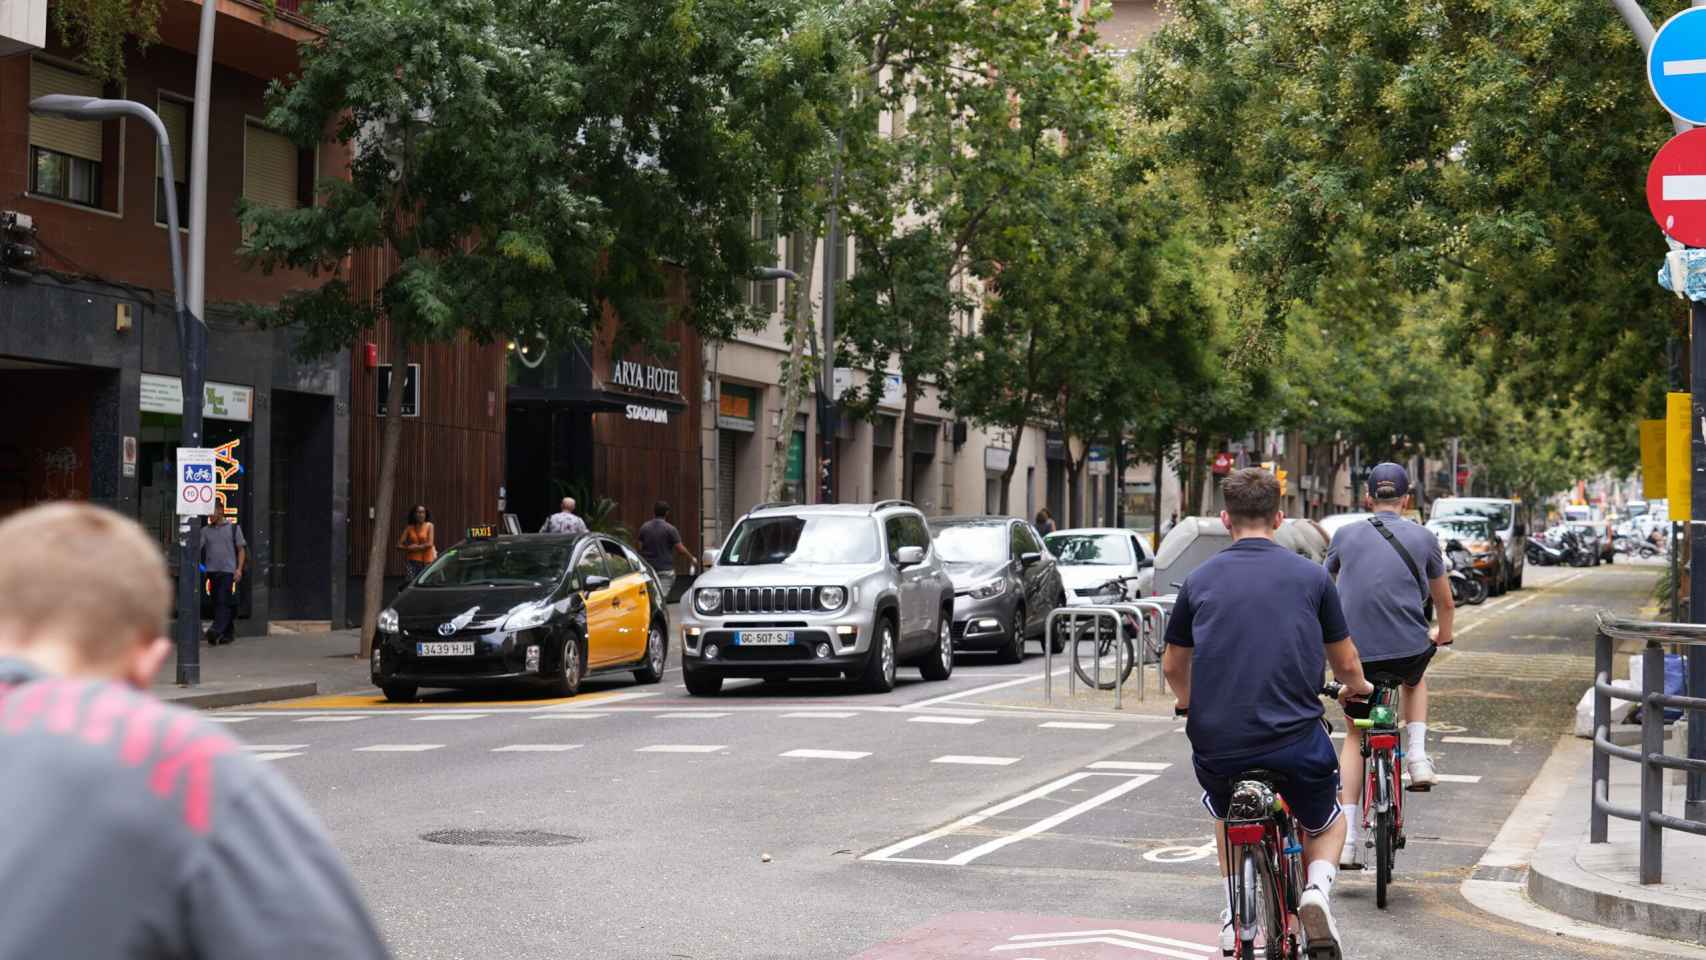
column 501, row 838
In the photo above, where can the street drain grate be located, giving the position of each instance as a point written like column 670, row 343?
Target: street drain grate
column 502, row 838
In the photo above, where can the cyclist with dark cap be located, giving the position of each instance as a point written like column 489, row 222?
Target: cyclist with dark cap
column 1387, row 570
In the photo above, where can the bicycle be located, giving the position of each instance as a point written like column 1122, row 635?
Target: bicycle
column 1264, row 857
column 1099, row 638
column 1383, row 783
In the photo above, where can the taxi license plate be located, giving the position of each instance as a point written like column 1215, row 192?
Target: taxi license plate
column 455, row 648
column 764, row 638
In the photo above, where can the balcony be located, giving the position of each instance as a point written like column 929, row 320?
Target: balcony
column 23, row 26
column 246, row 36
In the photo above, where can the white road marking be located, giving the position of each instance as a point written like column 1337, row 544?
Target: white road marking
column 955, row 721
column 275, row 755
column 569, row 716
column 1127, row 784
column 1457, row 778
column 453, row 716
column 1684, row 187
column 682, row 748
column 977, row 761
column 1129, row 939
column 826, row 754
column 335, row 718
column 1478, row 741
column 228, row 719
column 1137, row 765
column 1684, row 68
column 400, row 748
column 691, row 715
column 974, row 691
column 273, row 747
column 1066, row 725
column 607, row 700
column 820, row 715
column 536, row 748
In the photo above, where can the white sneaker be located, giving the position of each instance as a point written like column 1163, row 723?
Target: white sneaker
column 1350, row 858
column 1320, row 933
column 1228, row 938
column 1422, row 774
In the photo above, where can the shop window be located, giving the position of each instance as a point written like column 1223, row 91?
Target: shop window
column 66, row 156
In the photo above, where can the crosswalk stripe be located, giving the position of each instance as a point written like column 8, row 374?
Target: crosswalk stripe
column 953, row 721
column 332, row 719
column 1067, row 725
column 827, row 754
column 400, row 748
column 682, row 748
column 977, row 761
column 229, row 719
column 453, row 716
column 569, row 716
column 275, row 755
column 820, row 715
column 1479, row 741
column 272, row 747
column 1143, row 766
column 691, row 715
column 536, row 748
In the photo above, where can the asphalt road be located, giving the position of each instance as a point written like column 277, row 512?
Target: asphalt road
column 806, row 820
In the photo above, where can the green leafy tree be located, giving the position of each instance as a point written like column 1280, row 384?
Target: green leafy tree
column 530, row 163
column 965, row 120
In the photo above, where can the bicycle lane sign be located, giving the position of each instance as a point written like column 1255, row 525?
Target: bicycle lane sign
column 195, row 482
column 1020, row 936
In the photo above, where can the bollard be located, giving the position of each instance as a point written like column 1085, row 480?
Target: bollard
column 1652, row 775
column 1597, row 825
column 1119, row 645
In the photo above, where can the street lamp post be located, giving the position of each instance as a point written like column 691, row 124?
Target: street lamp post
column 192, row 346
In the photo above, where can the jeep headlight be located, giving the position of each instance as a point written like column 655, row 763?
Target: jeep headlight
column 831, row 598
column 708, row 601
column 388, row 621
column 528, row 617
column 993, row 588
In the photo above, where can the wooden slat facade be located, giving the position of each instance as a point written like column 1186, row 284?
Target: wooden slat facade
column 452, row 454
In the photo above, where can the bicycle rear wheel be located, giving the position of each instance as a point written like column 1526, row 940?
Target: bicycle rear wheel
column 1258, row 917
column 1383, row 831
column 1087, row 650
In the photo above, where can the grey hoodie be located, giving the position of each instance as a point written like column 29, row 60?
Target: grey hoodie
column 134, row 829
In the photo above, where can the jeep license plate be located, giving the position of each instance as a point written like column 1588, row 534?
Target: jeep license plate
column 455, row 648
column 764, row 638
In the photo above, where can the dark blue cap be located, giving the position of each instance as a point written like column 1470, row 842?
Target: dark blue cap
column 1388, row 481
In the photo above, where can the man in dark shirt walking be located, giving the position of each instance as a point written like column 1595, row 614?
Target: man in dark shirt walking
column 1251, row 635
column 137, row 830
column 224, row 555
column 660, row 542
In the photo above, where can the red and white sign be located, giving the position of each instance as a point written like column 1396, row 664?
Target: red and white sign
column 1223, row 463
column 1676, row 188
column 1020, row 936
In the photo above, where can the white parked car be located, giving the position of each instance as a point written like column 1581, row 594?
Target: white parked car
column 1100, row 564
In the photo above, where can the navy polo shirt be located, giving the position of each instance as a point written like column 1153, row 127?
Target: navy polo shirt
column 1258, row 618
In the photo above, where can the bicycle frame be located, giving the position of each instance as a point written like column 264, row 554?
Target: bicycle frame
column 1267, row 847
column 1381, row 742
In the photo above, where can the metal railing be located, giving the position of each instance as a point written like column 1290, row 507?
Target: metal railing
column 1651, row 754
column 1151, row 617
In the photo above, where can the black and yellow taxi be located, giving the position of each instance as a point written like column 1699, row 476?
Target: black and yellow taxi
column 536, row 609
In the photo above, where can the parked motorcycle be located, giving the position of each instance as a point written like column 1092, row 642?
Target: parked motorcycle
column 1468, row 585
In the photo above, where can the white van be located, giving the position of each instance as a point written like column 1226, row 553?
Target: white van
column 1510, row 522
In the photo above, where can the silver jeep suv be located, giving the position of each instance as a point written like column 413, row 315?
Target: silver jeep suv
column 820, row 591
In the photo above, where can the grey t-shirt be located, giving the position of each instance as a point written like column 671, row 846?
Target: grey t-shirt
column 563, row 522
column 138, row 830
column 219, row 547
column 1382, row 600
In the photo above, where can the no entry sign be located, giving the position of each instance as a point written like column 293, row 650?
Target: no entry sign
column 1676, row 188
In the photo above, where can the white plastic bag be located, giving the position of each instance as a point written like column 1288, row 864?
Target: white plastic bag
column 1620, row 709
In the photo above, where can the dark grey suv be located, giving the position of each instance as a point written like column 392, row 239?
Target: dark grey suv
column 1005, row 582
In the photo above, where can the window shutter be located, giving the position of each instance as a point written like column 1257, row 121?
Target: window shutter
column 75, row 137
column 269, row 168
column 176, row 116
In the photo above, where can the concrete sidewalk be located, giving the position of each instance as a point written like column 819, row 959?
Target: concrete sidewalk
column 1599, row 883
column 281, row 666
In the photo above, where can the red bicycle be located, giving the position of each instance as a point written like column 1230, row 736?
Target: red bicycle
column 1264, row 857
column 1383, row 784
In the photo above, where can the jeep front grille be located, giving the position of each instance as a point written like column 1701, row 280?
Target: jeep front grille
column 769, row 599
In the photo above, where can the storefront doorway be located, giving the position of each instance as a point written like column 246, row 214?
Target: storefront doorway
column 51, row 453
column 301, row 493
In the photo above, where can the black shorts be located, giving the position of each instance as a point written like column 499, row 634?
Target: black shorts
column 1407, row 671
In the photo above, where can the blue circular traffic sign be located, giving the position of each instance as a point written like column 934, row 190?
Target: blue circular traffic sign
column 1676, row 65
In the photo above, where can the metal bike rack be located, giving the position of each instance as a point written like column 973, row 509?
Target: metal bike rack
column 1145, row 612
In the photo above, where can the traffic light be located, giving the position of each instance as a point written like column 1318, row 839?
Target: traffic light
column 1281, row 475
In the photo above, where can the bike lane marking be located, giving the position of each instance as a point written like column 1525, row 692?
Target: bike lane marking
column 963, row 936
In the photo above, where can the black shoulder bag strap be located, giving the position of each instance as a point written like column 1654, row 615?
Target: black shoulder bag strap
column 1409, row 561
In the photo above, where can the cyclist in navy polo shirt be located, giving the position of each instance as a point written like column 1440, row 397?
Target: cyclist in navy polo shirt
column 1251, row 635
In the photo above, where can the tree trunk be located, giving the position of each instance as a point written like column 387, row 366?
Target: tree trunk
column 1075, row 484
column 794, row 377
column 1018, row 436
column 1199, row 468
column 908, row 411
column 1160, row 459
column 373, row 592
